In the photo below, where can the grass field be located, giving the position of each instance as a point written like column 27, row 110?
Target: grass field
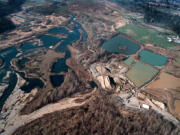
column 140, row 73
column 146, row 35
column 128, row 61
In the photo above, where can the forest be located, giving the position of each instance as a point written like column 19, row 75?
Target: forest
column 100, row 117
column 159, row 13
column 7, row 8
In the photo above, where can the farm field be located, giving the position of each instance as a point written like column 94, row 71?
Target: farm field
column 141, row 73
column 146, row 36
column 152, row 58
column 165, row 81
column 166, row 88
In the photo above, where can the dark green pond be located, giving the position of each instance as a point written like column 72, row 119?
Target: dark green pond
column 31, row 83
column 60, row 66
column 119, row 44
column 93, row 84
column 56, row 80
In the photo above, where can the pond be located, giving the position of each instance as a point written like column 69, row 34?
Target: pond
column 28, row 47
column 119, row 44
column 56, row 80
column 58, row 30
column 49, row 40
column 152, row 58
column 60, row 66
column 72, row 36
column 31, row 83
column 21, row 63
column 93, row 84
column 7, row 55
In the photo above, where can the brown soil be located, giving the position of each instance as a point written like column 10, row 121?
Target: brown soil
column 99, row 116
column 177, row 107
column 166, row 89
column 165, row 81
column 76, row 80
column 171, row 68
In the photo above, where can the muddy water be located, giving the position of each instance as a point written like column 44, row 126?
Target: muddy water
column 165, row 81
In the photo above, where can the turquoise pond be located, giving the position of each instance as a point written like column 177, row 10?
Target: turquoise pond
column 119, row 44
column 152, row 58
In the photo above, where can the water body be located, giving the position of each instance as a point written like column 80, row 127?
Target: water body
column 9, row 89
column 152, row 58
column 21, row 63
column 72, row 37
column 93, row 84
column 7, row 55
column 56, row 80
column 29, row 47
column 31, row 83
column 119, row 44
column 49, row 40
column 58, row 30
column 60, row 66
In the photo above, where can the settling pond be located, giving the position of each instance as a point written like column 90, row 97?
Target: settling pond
column 119, row 44
column 152, row 58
